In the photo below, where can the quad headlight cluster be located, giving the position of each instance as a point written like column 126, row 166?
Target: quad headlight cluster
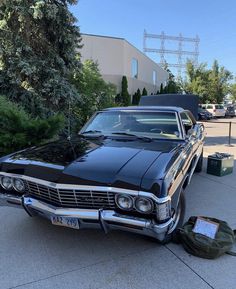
column 140, row 204
column 9, row 183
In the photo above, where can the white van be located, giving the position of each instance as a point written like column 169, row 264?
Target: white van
column 217, row 110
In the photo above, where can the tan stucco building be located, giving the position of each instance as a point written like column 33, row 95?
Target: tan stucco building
column 117, row 57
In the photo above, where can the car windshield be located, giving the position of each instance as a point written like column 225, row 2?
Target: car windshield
column 154, row 124
column 219, row 106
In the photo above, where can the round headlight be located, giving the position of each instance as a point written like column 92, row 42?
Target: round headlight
column 18, row 185
column 144, row 205
column 6, row 183
column 124, row 202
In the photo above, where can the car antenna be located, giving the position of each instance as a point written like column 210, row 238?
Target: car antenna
column 69, row 119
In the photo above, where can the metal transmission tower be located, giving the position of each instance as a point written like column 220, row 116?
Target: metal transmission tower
column 179, row 52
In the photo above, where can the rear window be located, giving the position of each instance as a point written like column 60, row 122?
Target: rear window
column 219, row 106
column 210, row 106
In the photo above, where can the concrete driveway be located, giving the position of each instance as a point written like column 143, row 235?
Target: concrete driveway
column 34, row 254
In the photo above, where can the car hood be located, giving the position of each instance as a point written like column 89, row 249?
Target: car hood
column 99, row 162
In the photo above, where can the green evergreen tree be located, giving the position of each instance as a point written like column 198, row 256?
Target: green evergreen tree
column 124, row 92
column 138, row 95
column 39, row 45
column 161, row 89
column 144, row 92
column 134, row 99
column 165, row 89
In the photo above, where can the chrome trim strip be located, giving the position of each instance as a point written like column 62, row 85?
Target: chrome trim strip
column 89, row 188
column 33, row 204
column 181, row 136
column 154, row 198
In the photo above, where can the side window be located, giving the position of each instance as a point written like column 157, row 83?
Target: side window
column 186, row 120
column 154, row 77
column 134, row 68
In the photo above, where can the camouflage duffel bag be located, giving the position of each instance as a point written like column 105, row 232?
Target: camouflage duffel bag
column 201, row 245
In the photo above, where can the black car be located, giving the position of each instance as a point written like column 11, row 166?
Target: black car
column 203, row 114
column 127, row 169
column 230, row 111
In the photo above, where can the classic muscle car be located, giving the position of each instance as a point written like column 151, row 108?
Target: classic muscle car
column 127, row 169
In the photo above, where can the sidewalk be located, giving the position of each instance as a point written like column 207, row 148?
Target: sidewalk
column 212, row 196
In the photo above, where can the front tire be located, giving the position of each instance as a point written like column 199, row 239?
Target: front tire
column 178, row 221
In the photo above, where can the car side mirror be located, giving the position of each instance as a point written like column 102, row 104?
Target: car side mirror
column 192, row 133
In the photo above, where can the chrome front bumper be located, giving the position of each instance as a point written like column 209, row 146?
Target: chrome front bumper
column 89, row 218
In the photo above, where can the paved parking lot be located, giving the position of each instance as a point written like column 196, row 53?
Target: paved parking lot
column 218, row 131
column 34, row 254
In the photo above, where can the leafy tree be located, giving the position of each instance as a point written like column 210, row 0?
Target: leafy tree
column 125, row 97
column 172, row 84
column 94, row 92
column 210, row 84
column 232, row 90
column 39, row 44
column 18, row 130
column 218, row 78
column 144, row 92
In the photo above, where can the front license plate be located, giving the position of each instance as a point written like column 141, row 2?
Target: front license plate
column 65, row 222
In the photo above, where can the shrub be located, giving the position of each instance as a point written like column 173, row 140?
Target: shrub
column 19, row 130
column 125, row 97
column 136, row 97
column 144, row 92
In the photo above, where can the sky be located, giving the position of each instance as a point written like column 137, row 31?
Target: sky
column 214, row 21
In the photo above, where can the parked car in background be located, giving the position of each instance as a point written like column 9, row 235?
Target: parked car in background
column 203, row 114
column 127, row 169
column 217, row 110
column 230, row 111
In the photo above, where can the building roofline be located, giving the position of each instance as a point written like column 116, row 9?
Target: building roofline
column 103, row 36
column 123, row 39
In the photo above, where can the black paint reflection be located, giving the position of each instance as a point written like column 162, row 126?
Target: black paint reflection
column 62, row 152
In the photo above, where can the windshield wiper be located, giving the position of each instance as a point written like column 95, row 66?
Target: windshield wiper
column 92, row 134
column 146, row 138
column 91, row 131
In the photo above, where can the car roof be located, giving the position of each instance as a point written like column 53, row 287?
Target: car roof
column 146, row 108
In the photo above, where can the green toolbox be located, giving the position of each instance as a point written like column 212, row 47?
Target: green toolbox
column 220, row 164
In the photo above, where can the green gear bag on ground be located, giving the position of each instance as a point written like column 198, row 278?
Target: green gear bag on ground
column 205, row 247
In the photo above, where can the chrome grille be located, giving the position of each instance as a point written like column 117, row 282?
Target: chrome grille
column 71, row 198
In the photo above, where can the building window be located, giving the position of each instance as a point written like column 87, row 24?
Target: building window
column 134, row 68
column 154, row 77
